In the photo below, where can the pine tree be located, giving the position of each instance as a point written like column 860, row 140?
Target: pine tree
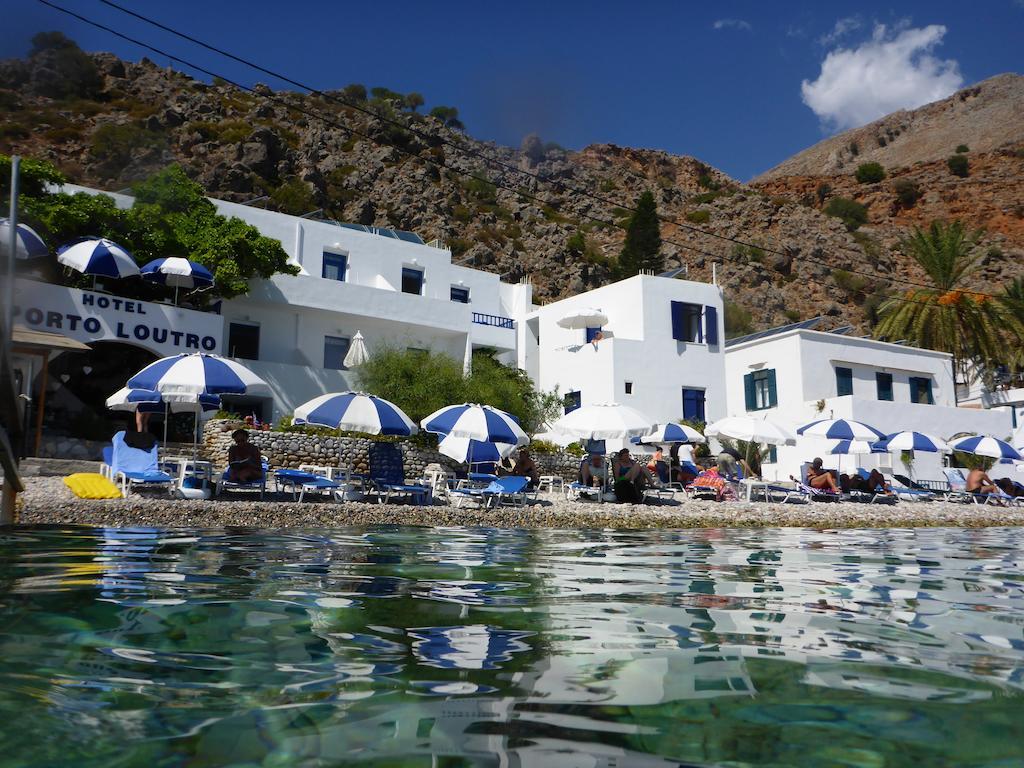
column 642, row 249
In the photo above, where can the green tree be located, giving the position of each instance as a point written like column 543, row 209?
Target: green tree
column 870, row 173
column 413, row 101
column 642, row 248
column 76, row 73
column 946, row 316
column 449, row 117
column 958, row 165
column 851, row 212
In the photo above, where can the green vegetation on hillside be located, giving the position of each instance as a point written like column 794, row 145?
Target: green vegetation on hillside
column 870, row 173
column 642, row 247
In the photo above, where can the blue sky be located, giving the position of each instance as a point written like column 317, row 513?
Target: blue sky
column 739, row 85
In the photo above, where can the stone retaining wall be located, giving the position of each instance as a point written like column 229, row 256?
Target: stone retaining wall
column 290, row 449
column 56, row 447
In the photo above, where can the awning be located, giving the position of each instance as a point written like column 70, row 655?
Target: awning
column 25, row 337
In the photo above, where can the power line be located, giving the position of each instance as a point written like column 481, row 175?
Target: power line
column 539, row 177
column 441, row 164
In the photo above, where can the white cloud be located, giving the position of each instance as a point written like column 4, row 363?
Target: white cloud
column 884, row 74
column 842, row 28
column 732, row 24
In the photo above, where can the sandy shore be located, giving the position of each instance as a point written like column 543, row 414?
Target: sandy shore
column 48, row 501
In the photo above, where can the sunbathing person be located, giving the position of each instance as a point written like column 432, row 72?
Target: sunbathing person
column 821, row 478
column 1010, row 488
column 526, row 467
column 978, row 481
column 873, row 483
column 245, row 464
column 630, row 478
column 592, row 470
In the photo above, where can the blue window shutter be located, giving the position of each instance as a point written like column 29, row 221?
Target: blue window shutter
column 711, row 325
column 591, row 333
column 678, row 321
column 773, row 394
column 748, row 392
column 931, row 398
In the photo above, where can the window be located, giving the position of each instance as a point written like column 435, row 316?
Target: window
column 759, row 390
column 844, row 381
column 412, row 280
column 335, row 266
column 693, row 404
column 572, row 401
column 883, row 382
column 772, row 457
column 335, row 349
column 244, row 341
column 921, row 390
column 592, row 334
column 629, row 387
column 459, row 294
column 686, row 322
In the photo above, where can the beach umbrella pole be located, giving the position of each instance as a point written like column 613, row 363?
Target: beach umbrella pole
column 175, row 295
column 166, row 419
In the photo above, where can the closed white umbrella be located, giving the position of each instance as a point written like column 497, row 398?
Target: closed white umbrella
column 583, row 318
column 604, row 421
column 357, row 354
column 750, row 430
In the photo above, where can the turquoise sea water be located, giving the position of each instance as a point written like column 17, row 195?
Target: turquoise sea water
column 449, row 647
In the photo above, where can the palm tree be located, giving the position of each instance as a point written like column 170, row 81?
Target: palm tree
column 948, row 316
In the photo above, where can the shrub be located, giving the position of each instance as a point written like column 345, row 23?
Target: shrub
column 958, row 165
column 907, row 193
column 870, row 173
column 854, row 148
column 706, row 197
column 294, row 197
column 354, row 92
column 738, row 321
column 114, row 143
column 961, row 148
column 851, row 212
column 449, row 117
column 77, row 74
column 791, row 314
column 754, row 253
column 854, row 285
column 481, row 189
column 698, row 217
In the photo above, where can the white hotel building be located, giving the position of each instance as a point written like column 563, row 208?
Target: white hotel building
column 662, row 350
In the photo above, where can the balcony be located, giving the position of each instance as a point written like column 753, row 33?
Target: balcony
column 494, row 320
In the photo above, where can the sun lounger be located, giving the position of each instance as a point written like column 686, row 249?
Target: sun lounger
column 129, row 466
column 958, row 486
column 511, row 488
column 885, row 496
column 707, row 485
column 907, row 490
column 300, row 482
column 387, row 476
column 226, row 482
column 579, row 490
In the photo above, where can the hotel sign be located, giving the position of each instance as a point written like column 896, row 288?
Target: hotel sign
column 92, row 316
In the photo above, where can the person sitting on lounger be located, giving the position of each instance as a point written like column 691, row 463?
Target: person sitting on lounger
column 978, row 481
column 525, row 466
column 245, row 464
column 592, row 470
column 821, row 478
column 630, row 478
column 873, row 483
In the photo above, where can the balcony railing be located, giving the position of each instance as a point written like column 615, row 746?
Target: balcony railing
column 496, row 320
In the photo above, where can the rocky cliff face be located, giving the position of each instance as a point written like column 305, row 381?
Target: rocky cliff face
column 299, row 153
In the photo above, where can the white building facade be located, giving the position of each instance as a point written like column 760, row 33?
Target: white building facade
column 796, row 375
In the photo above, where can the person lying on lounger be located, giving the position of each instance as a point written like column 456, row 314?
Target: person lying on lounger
column 821, row 478
column 244, row 459
column 978, row 481
column 874, row 483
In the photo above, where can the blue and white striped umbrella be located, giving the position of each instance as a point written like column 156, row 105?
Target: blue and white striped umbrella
column 982, row 445
column 463, row 450
column 476, row 422
column 841, row 429
column 670, row 433
column 98, row 257
column 151, row 401
column 355, row 412
column 846, row 447
column 184, row 376
column 913, row 441
column 29, row 245
column 177, row 272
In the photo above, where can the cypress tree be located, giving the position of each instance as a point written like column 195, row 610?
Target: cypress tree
column 642, row 249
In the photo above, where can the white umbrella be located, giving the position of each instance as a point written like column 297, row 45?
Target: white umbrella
column 913, row 441
column 983, row 445
column 98, row 257
column 750, row 430
column 28, row 243
column 583, row 318
column 604, row 421
column 357, row 354
column 671, row 433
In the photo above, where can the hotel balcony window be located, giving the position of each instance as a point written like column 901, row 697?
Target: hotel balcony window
column 883, row 382
column 844, row 381
column 459, row 294
column 693, row 405
column 335, row 349
column 572, row 401
column 412, row 280
column 921, row 390
column 629, row 387
column 760, row 391
column 244, row 341
column 335, row 266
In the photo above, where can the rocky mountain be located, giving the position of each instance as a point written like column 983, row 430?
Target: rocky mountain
column 539, row 210
column 984, row 117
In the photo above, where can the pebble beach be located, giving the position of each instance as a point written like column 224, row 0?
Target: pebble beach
column 47, row 501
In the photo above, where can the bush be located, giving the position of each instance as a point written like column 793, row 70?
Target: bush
column 851, row 212
column 705, row 197
column 77, row 74
column 854, row 285
column 791, row 314
column 907, row 193
column 698, row 217
column 114, row 143
column 738, row 321
column 870, row 173
column 354, row 92
column 958, row 165
column 753, row 253
column 294, row 197
column 961, row 148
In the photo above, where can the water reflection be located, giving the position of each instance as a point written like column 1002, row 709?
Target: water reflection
column 783, row 647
